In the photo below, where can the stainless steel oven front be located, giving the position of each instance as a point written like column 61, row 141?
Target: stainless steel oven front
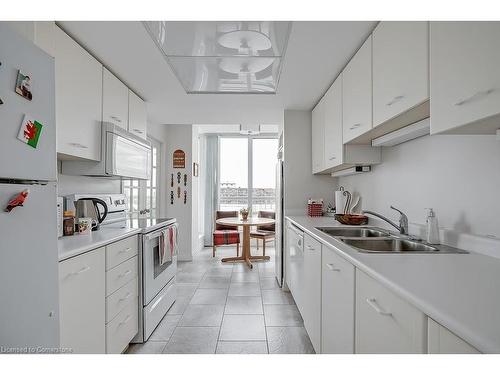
column 155, row 275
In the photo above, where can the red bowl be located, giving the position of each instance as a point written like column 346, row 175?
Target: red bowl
column 351, row 219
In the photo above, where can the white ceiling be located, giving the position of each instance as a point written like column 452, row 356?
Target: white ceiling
column 316, row 53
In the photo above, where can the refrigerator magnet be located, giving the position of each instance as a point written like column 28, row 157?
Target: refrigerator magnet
column 30, row 130
column 1, row 101
column 23, row 85
column 17, row 201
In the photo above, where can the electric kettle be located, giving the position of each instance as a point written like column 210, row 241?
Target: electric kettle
column 89, row 207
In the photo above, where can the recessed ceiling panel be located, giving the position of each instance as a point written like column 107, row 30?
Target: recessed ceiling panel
column 223, row 57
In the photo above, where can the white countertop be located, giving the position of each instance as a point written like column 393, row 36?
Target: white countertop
column 80, row 243
column 459, row 291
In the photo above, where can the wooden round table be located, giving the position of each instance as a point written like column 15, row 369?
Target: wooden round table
column 246, row 224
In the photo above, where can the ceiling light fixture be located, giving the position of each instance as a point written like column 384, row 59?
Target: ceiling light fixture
column 243, row 57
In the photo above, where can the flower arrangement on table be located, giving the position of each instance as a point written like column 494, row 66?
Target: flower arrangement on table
column 244, row 213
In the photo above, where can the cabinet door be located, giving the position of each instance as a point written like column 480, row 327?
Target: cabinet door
column 400, row 68
column 318, row 129
column 78, row 99
column 82, row 302
column 137, row 115
column 465, row 76
column 357, row 93
column 385, row 323
column 294, row 275
column 333, row 125
column 443, row 341
column 114, row 100
column 337, row 304
column 312, row 291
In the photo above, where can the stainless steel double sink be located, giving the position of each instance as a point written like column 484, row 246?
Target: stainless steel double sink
column 377, row 240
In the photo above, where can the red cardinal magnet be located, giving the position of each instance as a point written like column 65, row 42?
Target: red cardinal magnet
column 17, row 201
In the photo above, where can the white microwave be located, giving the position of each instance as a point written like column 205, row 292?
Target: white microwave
column 123, row 154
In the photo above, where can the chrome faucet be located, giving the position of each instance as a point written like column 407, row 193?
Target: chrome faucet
column 403, row 220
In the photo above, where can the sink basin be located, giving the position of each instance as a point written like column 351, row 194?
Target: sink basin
column 389, row 245
column 354, row 232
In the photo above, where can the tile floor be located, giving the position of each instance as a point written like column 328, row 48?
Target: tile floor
column 228, row 309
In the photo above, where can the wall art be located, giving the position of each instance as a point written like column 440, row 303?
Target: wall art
column 179, row 159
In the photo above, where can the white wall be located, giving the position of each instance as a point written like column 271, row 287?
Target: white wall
column 300, row 183
column 459, row 176
column 180, row 137
column 67, row 184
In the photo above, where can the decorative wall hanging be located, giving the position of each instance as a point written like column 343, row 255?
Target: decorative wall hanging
column 179, row 159
column 185, row 179
column 172, row 180
column 171, row 197
column 185, row 196
column 23, row 85
column 30, row 130
column 179, row 174
column 178, row 191
column 195, row 169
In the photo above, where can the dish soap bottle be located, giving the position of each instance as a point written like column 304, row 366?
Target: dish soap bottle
column 432, row 228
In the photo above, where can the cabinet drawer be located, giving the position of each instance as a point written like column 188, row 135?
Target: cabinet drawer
column 121, row 275
column 120, row 251
column 385, row 323
column 122, row 329
column 443, row 341
column 119, row 299
column 311, row 309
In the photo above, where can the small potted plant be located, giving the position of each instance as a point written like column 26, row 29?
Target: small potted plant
column 244, row 213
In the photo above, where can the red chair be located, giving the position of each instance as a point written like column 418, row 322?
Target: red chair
column 225, row 235
column 264, row 232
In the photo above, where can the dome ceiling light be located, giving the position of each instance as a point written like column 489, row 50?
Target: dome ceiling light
column 231, row 57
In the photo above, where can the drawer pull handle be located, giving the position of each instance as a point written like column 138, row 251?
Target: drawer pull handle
column 127, row 272
column 395, row 99
column 373, row 303
column 477, row 95
column 117, row 119
column 355, row 126
column 309, row 247
column 125, row 298
column 139, row 131
column 126, row 250
column 127, row 319
column 331, row 267
column 84, row 269
column 77, row 145
column 332, row 158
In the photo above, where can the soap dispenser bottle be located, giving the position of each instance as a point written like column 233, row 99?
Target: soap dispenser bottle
column 432, row 228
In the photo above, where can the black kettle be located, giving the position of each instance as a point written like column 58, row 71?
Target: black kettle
column 89, row 207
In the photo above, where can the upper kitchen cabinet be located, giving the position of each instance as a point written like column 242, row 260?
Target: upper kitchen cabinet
column 333, row 146
column 114, row 100
column 400, row 74
column 318, row 135
column 357, row 93
column 137, row 115
column 78, row 99
column 465, row 77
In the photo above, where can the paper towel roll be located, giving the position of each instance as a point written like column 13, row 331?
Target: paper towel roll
column 339, row 202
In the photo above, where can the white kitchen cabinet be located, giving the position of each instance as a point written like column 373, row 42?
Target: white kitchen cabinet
column 443, row 341
column 294, row 258
column 385, row 323
column 78, row 100
column 137, row 115
column 333, row 145
column 318, row 136
column 357, row 93
column 465, row 77
column 311, row 309
column 400, row 73
column 337, row 304
column 114, row 100
column 82, row 307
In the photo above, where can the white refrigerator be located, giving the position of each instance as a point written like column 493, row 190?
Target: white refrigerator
column 29, row 311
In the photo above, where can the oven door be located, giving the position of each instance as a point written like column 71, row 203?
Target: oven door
column 156, row 276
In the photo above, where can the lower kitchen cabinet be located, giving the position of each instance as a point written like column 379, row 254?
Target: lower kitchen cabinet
column 311, row 309
column 337, row 304
column 385, row 323
column 82, row 302
column 443, row 341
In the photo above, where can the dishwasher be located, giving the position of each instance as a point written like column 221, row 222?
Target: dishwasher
column 294, row 272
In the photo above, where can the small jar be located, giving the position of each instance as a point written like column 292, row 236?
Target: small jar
column 68, row 223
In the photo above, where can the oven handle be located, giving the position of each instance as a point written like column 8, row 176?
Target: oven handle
column 158, row 233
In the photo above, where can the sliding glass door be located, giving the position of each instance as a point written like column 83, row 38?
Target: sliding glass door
column 247, row 173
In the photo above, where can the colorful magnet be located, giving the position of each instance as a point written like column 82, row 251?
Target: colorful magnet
column 179, row 177
column 185, row 196
column 171, row 197
column 185, row 179
column 178, row 191
column 17, row 201
column 172, row 180
column 30, row 130
column 23, row 85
